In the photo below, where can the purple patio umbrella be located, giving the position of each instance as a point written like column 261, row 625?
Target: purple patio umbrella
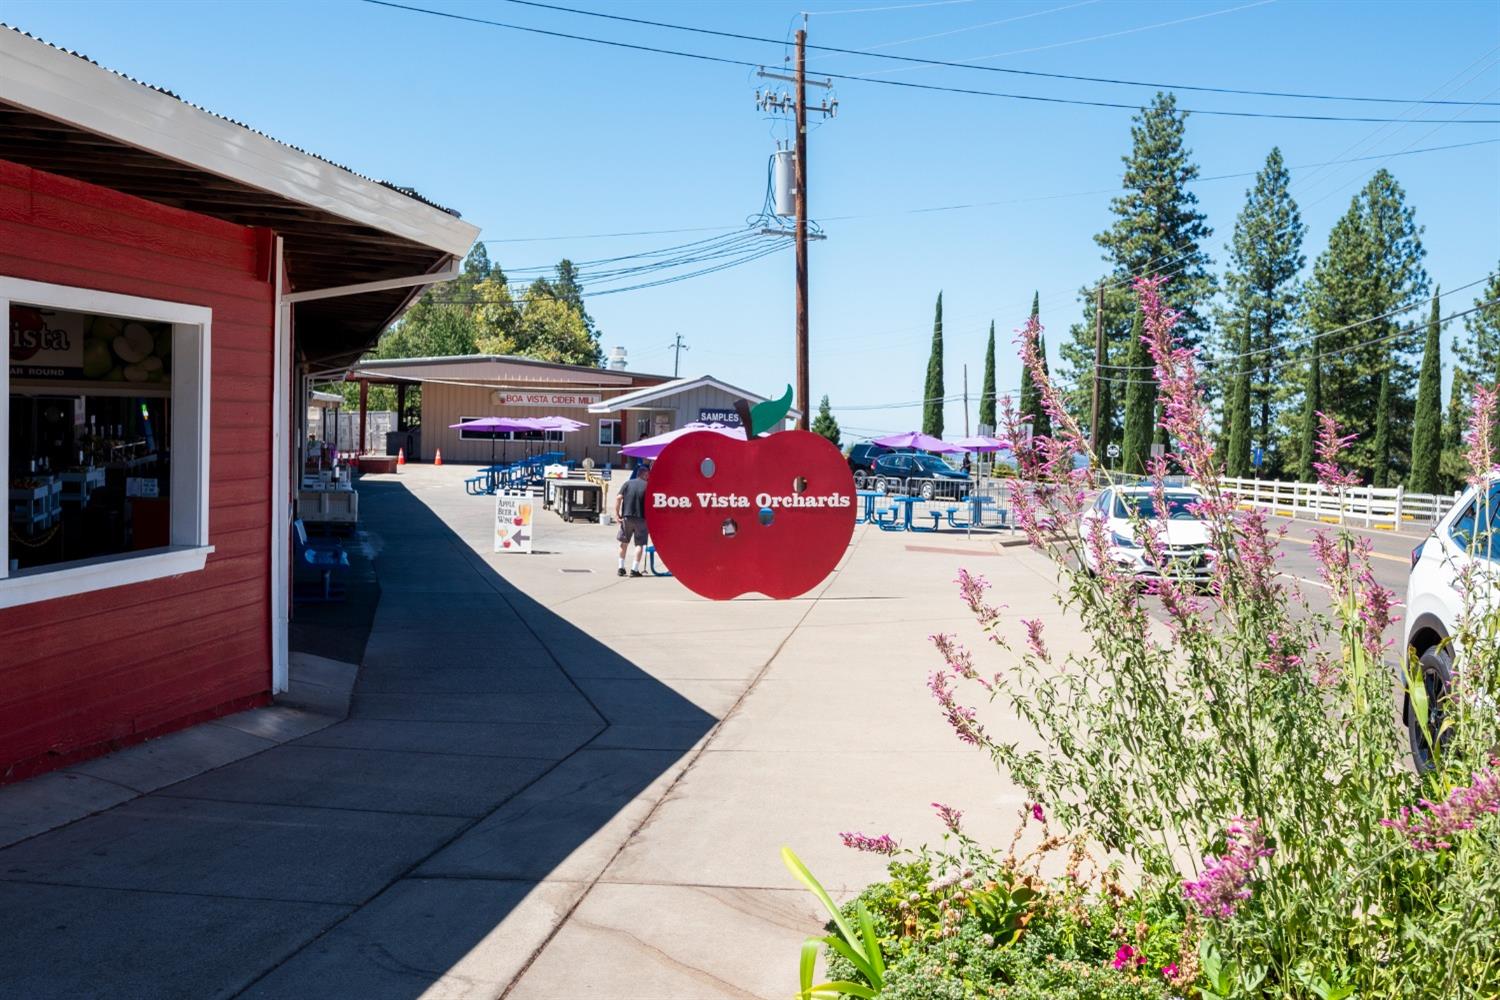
column 917, row 440
column 494, row 425
column 652, row 446
column 980, row 442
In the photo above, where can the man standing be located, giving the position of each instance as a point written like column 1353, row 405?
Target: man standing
column 630, row 511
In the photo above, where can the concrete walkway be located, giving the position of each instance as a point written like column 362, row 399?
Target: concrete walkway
column 552, row 783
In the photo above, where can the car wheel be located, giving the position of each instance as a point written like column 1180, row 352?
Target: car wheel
column 859, row 479
column 881, row 486
column 1436, row 666
column 927, row 491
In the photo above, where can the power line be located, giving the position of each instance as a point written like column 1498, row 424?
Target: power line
column 1287, row 362
column 905, row 84
column 995, row 69
column 876, row 10
column 1223, row 358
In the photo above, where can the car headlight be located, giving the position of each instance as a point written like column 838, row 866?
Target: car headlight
column 1123, row 541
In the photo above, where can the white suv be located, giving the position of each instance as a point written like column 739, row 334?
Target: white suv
column 1468, row 535
column 1185, row 539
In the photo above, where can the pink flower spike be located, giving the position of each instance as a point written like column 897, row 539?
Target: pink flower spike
column 1037, row 813
column 950, row 816
column 882, row 844
column 1480, row 452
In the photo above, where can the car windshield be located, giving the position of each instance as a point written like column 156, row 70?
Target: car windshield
column 1179, row 506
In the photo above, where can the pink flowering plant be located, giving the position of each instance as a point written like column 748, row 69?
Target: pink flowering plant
column 1235, row 746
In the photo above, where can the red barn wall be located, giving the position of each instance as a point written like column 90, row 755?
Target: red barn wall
column 86, row 674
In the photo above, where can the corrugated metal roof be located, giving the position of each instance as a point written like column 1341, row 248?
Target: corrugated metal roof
column 398, row 188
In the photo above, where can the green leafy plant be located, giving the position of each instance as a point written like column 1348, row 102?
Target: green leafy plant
column 860, row 949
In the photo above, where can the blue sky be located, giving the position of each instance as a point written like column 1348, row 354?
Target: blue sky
column 538, row 137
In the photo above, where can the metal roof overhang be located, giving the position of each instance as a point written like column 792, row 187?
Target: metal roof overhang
column 62, row 114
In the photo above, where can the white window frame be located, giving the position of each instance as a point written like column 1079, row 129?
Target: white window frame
column 619, row 426
column 192, row 327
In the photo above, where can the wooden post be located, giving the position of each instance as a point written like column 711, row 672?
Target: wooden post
column 364, row 402
column 400, row 406
column 804, row 403
column 1098, row 366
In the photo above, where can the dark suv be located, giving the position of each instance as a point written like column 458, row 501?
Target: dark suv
column 918, row 475
column 862, row 460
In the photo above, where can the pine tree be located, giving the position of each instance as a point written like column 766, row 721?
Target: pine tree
column 932, row 406
column 987, row 393
column 1157, row 230
column 1237, row 450
column 1381, row 459
column 1479, row 353
column 1312, row 405
column 1265, row 257
column 825, row 424
column 1140, row 403
column 1370, row 272
column 1427, row 427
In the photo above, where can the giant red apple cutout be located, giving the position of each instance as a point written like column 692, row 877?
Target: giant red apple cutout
column 770, row 514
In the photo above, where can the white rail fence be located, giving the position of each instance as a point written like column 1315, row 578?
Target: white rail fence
column 1368, row 505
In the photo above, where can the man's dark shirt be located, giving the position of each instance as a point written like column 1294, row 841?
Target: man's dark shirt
column 633, row 498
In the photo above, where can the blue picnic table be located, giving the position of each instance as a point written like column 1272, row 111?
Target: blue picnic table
column 870, row 497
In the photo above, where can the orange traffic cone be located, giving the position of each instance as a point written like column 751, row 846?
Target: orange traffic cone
column 438, row 458
column 400, row 456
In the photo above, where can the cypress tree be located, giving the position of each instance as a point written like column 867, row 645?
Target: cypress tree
column 1031, row 400
column 1140, row 402
column 1381, row 458
column 1238, row 450
column 1312, row 404
column 1479, row 353
column 932, row 406
column 1454, row 463
column 1041, row 425
column 987, row 393
column 1427, row 426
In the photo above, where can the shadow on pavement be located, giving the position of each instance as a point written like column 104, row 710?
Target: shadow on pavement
column 466, row 788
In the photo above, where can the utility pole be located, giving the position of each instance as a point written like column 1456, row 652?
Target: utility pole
column 966, row 400
column 1098, row 368
column 799, row 233
column 677, row 347
column 801, row 237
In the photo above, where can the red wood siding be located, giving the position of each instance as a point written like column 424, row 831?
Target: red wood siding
column 83, row 675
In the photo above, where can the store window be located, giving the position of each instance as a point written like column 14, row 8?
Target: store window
column 611, row 433
column 105, row 431
column 486, row 435
column 642, row 428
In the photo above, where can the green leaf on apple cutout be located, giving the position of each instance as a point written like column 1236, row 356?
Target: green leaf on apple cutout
column 765, row 416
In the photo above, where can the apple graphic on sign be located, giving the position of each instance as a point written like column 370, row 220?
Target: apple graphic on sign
column 770, row 514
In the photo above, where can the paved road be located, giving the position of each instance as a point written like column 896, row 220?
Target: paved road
column 1390, row 558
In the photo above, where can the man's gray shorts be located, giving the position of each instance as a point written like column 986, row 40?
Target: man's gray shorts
column 632, row 529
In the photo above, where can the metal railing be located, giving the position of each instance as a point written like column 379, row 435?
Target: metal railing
column 1389, row 507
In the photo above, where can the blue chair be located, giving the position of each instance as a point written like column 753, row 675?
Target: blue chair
column 321, row 563
column 651, row 566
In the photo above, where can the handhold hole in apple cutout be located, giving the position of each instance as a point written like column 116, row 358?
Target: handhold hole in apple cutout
column 731, row 527
column 799, row 485
column 707, row 468
column 767, row 515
